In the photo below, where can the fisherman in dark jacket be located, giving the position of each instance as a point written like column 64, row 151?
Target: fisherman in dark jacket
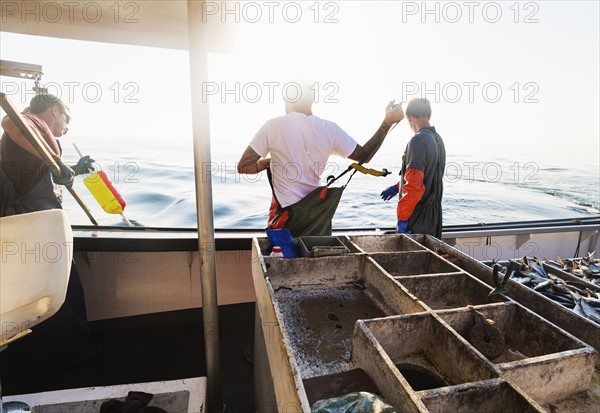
column 419, row 209
column 64, row 339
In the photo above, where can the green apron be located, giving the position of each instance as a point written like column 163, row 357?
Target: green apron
column 311, row 215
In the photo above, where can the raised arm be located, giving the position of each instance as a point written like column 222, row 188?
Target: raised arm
column 251, row 163
column 393, row 115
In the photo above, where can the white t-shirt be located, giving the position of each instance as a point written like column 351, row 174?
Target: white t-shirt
column 300, row 146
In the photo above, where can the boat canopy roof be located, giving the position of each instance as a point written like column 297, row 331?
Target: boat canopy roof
column 144, row 23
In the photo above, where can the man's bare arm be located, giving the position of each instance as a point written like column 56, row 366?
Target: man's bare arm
column 251, row 163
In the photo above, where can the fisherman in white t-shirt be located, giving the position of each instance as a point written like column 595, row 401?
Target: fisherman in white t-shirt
column 299, row 145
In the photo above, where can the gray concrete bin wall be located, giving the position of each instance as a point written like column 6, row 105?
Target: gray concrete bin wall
column 393, row 316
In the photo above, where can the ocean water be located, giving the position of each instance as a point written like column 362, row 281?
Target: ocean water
column 481, row 184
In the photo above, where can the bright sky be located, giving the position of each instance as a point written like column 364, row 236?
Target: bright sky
column 542, row 57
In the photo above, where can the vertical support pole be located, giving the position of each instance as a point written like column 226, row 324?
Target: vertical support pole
column 198, row 55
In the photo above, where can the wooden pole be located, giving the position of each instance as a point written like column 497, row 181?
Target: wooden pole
column 42, row 148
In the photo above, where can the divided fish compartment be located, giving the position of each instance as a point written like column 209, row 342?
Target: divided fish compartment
column 316, row 247
column 436, row 282
column 405, row 355
column 494, row 395
column 413, row 263
column 446, row 291
column 319, row 301
column 398, row 324
column 582, row 328
column 338, row 384
column 543, row 360
column 385, row 243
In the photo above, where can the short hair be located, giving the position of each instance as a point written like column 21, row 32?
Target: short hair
column 40, row 103
column 418, row 108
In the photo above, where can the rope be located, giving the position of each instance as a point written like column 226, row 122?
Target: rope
column 357, row 166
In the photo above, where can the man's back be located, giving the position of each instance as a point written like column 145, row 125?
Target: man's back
column 422, row 154
column 300, row 146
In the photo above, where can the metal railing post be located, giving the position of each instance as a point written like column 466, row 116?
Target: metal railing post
column 198, row 55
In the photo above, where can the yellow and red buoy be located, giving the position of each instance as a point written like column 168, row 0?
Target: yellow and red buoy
column 105, row 193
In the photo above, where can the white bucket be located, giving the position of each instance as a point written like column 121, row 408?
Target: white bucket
column 35, row 263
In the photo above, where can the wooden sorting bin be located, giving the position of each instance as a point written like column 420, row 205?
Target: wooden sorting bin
column 557, row 364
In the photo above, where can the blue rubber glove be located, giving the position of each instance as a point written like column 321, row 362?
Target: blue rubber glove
column 66, row 178
column 402, row 228
column 390, row 192
column 84, row 165
column 283, row 238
